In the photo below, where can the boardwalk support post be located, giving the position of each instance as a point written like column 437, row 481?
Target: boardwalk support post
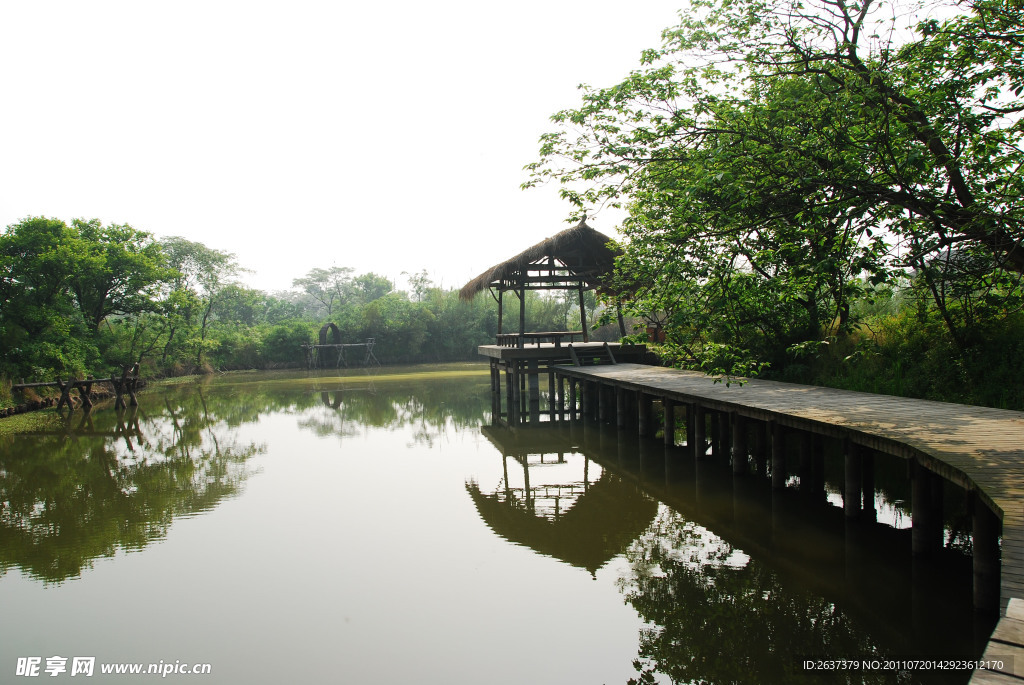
column 668, row 408
column 852, row 491
column 554, row 397
column 778, row 456
column 495, row 394
column 602, row 403
column 986, row 557
column 867, row 481
column 761, row 433
column 739, row 445
column 700, row 447
column 534, row 384
column 643, row 419
column 574, row 414
column 926, row 535
column 621, row 411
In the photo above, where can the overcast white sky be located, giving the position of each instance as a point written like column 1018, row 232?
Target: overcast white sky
column 385, row 136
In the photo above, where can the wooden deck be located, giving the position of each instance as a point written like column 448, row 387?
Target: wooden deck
column 551, row 353
column 980, row 449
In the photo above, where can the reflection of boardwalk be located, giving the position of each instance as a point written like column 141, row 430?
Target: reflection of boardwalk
column 978, row 448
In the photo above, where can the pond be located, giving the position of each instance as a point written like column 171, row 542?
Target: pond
column 373, row 528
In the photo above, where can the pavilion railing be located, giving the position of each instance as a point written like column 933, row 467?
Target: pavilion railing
column 538, row 337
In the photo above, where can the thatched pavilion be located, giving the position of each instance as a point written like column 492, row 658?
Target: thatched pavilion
column 578, row 258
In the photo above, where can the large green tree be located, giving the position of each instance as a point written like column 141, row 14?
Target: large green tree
column 776, row 156
column 120, row 270
column 41, row 328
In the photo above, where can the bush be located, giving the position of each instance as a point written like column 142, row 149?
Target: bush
column 282, row 344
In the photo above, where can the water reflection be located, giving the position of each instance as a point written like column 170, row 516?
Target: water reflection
column 83, row 487
column 569, row 509
column 428, row 407
column 734, row 583
column 737, row 582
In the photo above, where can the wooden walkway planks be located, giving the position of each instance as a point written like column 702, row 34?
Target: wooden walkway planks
column 979, row 448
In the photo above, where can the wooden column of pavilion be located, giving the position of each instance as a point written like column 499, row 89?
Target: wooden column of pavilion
column 576, row 259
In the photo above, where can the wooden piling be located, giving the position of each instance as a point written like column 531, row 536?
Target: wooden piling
column 852, row 491
column 739, row 445
column 534, row 384
column 559, row 396
column 867, row 479
column 495, row 394
column 573, row 409
column 700, row 449
column 985, row 541
column 668, row 407
column 926, row 511
column 512, row 392
column 644, row 409
column 762, row 431
column 777, row 456
column 715, row 434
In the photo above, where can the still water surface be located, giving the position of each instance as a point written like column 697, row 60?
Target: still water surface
column 373, row 529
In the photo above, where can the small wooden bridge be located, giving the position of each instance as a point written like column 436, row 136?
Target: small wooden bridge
column 124, row 386
column 332, row 354
column 977, row 448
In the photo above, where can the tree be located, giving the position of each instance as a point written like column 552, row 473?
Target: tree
column 420, row 283
column 41, row 329
column 775, row 154
column 369, row 287
column 38, row 257
column 241, row 305
column 120, row 270
column 330, row 287
column 202, row 272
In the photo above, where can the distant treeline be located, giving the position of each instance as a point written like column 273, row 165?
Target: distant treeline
column 86, row 298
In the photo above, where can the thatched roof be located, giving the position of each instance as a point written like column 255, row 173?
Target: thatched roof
column 581, row 251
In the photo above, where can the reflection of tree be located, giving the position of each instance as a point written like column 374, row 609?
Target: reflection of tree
column 89, row 486
column 71, row 494
column 428, row 409
column 716, row 616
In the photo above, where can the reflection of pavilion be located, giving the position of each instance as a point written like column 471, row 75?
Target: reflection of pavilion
column 562, row 504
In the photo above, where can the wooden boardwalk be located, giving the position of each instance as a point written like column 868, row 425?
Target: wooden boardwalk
column 980, row 449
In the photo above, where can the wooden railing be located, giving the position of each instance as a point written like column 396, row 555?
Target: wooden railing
column 538, row 337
